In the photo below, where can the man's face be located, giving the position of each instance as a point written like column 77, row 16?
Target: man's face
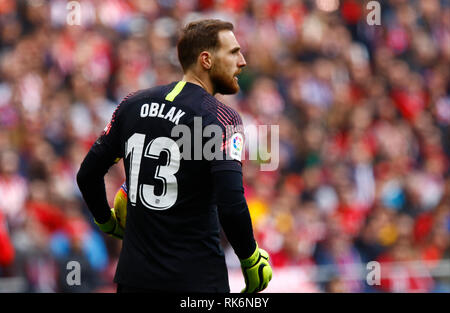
column 228, row 62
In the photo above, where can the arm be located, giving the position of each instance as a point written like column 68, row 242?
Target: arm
column 232, row 206
column 233, row 212
column 236, row 223
column 104, row 153
column 90, row 180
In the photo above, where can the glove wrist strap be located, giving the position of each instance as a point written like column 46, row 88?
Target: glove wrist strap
column 252, row 260
column 108, row 226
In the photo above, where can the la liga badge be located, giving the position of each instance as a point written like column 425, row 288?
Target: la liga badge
column 236, row 147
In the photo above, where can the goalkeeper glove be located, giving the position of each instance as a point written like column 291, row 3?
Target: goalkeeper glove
column 257, row 271
column 112, row 226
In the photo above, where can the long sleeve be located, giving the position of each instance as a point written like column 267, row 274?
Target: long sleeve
column 233, row 212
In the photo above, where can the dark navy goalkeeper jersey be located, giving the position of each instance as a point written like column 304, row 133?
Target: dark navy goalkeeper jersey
column 171, row 240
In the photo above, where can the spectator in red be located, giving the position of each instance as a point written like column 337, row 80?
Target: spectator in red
column 6, row 248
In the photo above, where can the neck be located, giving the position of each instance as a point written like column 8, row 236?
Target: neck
column 203, row 82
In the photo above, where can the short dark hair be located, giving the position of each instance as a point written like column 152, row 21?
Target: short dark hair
column 199, row 36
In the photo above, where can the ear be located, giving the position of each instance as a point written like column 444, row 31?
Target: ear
column 205, row 58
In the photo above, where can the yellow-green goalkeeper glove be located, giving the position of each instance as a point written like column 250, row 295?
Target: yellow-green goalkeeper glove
column 112, row 226
column 257, row 271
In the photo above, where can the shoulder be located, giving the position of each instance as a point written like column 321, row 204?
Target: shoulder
column 222, row 113
column 153, row 92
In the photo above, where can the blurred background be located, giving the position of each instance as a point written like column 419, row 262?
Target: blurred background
column 364, row 117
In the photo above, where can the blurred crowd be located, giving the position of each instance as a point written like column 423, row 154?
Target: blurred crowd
column 364, row 123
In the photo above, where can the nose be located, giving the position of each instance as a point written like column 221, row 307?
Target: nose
column 241, row 62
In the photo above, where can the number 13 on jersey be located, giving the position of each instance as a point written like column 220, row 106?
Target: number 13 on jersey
column 165, row 173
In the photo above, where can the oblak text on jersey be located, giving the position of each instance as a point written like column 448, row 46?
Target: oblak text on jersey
column 157, row 110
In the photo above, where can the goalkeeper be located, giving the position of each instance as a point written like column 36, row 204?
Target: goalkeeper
column 174, row 204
